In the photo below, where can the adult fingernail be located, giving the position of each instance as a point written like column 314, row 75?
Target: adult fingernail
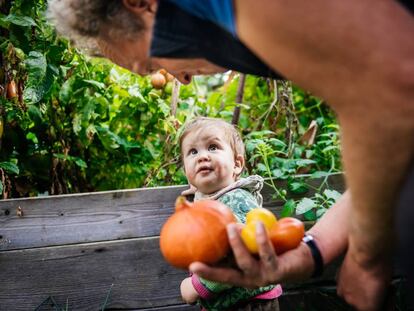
column 260, row 228
column 231, row 231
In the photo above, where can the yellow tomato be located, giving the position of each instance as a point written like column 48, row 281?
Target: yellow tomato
column 262, row 214
column 248, row 235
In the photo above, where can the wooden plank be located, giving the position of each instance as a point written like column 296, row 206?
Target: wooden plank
column 89, row 217
column 100, row 216
column 83, row 274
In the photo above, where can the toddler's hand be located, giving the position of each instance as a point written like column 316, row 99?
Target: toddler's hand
column 188, row 293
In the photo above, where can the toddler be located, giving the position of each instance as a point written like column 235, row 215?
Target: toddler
column 213, row 156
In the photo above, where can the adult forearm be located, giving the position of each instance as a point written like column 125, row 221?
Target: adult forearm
column 376, row 155
column 331, row 231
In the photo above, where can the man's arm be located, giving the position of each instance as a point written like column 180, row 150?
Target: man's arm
column 358, row 55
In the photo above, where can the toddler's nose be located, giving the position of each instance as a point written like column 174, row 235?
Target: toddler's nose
column 203, row 156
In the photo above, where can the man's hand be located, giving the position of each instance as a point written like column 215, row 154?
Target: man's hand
column 255, row 272
column 364, row 287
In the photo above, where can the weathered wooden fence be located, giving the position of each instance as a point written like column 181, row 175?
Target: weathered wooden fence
column 84, row 251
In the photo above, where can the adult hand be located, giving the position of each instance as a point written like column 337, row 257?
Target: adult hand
column 255, row 272
column 363, row 286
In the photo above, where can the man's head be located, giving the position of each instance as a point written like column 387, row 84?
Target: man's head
column 121, row 30
column 86, row 21
column 212, row 152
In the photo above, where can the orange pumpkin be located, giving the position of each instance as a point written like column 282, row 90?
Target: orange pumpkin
column 196, row 232
column 286, row 234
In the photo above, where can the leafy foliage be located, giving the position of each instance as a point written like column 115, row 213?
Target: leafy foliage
column 76, row 124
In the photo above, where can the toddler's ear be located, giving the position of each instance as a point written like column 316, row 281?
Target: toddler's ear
column 238, row 164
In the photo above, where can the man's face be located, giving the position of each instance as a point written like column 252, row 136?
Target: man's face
column 134, row 55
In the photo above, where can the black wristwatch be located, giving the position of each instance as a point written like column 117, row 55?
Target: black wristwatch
column 316, row 255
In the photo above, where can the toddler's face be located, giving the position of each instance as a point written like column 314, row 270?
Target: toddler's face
column 209, row 161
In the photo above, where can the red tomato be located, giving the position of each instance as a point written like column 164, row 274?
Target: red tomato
column 286, row 234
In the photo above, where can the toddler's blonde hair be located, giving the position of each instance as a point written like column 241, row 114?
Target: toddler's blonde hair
column 230, row 132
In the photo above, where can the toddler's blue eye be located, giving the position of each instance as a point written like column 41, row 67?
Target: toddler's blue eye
column 192, row 151
column 212, row 147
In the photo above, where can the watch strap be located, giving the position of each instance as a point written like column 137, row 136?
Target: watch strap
column 316, row 255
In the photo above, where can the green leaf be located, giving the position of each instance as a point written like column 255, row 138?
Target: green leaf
column 36, row 65
column 24, row 21
column 304, row 206
column 77, row 123
column 288, row 208
column 1, row 187
column 88, row 111
column 60, row 156
column 10, row 167
column 310, row 215
column 135, row 92
column 329, row 148
column 297, row 187
column 3, row 23
column 79, row 162
column 38, row 82
column 35, row 113
column 278, row 173
column 261, row 167
column 277, row 142
column 150, row 148
column 99, row 85
column 304, row 162
column 32, row 136
column 163, row 106
column 251, row 144
column 320, row 212
column 332, row 194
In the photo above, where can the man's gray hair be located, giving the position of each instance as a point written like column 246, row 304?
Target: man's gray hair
column 83, row 20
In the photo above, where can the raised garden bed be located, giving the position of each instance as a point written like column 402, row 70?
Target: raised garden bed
column 80, row 251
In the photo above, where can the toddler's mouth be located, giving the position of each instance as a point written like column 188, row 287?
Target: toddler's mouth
column 204, row 169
